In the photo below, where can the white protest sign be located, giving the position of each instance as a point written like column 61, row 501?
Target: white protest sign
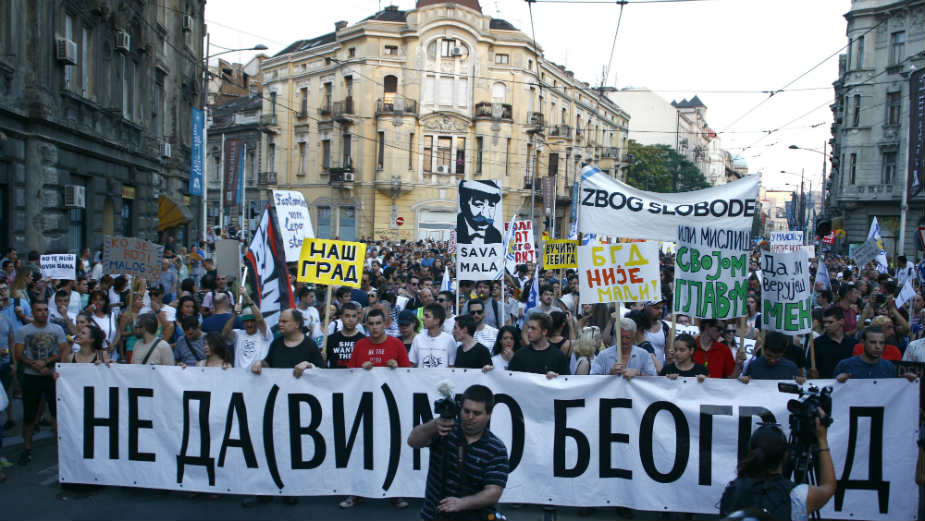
column 228, row 258
column 787, row 297
column 59, row 266
column 609, row 206
column 810, row 251
column 479, row 236
column 866, row 252
column 711, row 272
column 344, row 432
column 295, row 221
column 624, row 272
column 786, row 241
column 521, row 249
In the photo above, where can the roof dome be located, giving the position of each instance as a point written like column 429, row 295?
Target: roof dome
column 739, row 162
column 471, row 4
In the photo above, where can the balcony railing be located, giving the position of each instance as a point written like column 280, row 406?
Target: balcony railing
column 563, row 131
column 343, row 108
column 266, row 178
column 535, row 121
column 490, row 110
column 341, row 175
column 611, row 152
column 397, row 105
column 268, row 119
column 325, row 108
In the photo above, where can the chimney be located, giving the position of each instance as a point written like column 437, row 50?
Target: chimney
column 339, row 25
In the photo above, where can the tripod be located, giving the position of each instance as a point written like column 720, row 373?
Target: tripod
column 801, row 463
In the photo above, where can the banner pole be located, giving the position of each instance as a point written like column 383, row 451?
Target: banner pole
column 812, row 352
column 742, row 325
column 619, row 334
column 502, row 319
column 327, row 319
column 671, row 334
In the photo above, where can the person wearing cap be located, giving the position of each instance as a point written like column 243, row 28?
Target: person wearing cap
column 478, row 201
column 253, row 341
column 408, row 326
column 658, row 331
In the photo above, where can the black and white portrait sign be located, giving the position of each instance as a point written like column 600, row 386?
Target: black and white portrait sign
column 479, row 231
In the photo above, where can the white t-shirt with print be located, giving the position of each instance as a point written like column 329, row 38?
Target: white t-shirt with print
column 250, row 348
column 433, row 351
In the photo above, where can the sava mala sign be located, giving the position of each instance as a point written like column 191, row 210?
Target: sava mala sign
column 479, row 231
column 624, row 211
column 649, row 444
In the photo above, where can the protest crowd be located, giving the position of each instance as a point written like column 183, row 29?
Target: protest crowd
column 409, row 310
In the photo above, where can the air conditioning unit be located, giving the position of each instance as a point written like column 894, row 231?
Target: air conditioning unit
column 75, row 196
column 349, row 177
column 66, row 51
column 187, row 23
column 457, row 51
column 123, row 41
column 166, row 150
column 442, row 169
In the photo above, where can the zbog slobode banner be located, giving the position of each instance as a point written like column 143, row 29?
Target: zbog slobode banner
column 649, row 444
column 479, row 231
column 617, row 209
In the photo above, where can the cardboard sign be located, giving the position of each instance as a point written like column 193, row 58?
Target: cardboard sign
column 560, row 254
column 129, row 255
column 60, row 267
column 325, row 261
column 786, row 241
column 520, row 249
column 228, row 258
column 786, row 295
column 865, row 252
column 295, row 222
column 627, row 272
column 711, row 272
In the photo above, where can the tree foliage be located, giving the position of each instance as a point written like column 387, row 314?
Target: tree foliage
column 659, row 168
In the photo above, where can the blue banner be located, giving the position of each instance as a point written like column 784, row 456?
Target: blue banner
column 240, row 192
column 195, row 163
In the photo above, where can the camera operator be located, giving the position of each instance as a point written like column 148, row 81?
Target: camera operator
column 468, row 464
column 761, row 483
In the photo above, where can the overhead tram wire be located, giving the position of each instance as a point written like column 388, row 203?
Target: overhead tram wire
column 613, row 46
column 798, row 78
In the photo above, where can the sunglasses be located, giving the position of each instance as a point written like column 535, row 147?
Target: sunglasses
column 476, row 311
column 441, row 300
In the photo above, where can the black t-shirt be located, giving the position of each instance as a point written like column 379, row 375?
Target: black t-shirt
column 529, row 360
column 283, row 357
column 648, row 347
column 340, row 347
column 476, row 358
column 693, row 371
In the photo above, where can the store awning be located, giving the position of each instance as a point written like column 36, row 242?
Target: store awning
column 171, row 213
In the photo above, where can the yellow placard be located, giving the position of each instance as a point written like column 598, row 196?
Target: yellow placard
column 560, row 253
column 325, row 261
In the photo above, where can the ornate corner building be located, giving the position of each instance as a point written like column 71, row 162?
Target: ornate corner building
column 870, row 133
column 376, row 122
column 96, row 102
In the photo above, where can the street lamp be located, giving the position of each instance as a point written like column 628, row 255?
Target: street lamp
column 205, row 130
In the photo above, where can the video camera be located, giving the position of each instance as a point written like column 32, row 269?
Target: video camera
column 447, row 407
column 805, row 409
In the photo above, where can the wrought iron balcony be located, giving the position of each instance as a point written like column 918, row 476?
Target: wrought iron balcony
column 343, row 109
column 489, row 110
column 535, row 121
column 268, row 120
column 397, row 105
column 611, row 152
column 563, row 131
column 266, row 178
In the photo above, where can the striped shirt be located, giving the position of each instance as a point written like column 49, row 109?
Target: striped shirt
column 485, row 462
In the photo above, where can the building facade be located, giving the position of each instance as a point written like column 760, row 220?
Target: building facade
column 871, row 114
column 95, row 120
column 682, row 125
column 376, row 122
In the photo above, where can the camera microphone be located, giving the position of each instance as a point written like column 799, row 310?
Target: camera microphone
column 446, row 407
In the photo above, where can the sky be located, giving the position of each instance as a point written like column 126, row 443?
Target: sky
column 731, row 53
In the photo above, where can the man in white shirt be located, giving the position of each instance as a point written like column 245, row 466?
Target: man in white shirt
column 306, row 304
column 633, row 360
column 434, row 348
column 252, row 342
column 447, row 299
column 484, row 334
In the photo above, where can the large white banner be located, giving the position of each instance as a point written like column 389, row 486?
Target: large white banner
column 650, row 443
column 295, row 221
column 613, row 208
column 480, row 251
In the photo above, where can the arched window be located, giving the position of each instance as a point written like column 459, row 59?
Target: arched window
column 498, row 92
column 389, row 88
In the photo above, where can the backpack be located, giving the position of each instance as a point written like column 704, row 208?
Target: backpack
column 772, row 496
